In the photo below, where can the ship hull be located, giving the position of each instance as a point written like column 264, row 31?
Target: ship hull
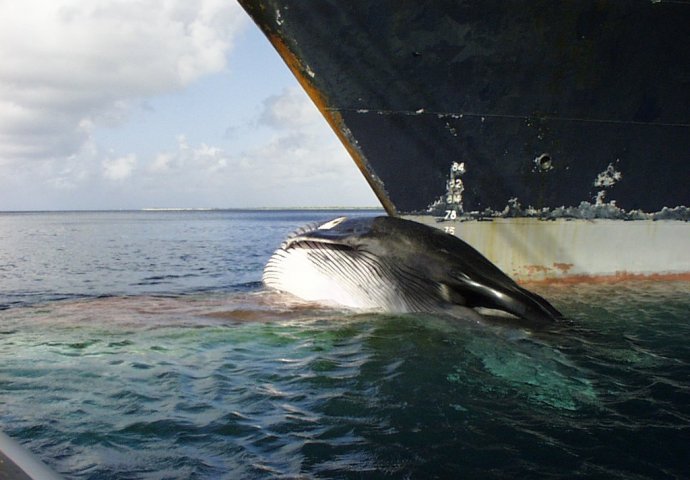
column 459, row 110
column 575, row 250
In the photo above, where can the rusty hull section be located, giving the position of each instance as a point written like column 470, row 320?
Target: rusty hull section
column 569, row 250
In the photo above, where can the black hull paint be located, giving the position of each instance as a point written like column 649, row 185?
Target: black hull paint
column 536, row 98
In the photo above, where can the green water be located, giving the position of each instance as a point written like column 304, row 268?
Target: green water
column 244, row 386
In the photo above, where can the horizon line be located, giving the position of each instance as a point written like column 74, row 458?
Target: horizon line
column 192, row 209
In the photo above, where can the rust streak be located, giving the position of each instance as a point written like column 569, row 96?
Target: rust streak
column 563, row 267
column 535, row 269
column 334, row 119
column 617, row 277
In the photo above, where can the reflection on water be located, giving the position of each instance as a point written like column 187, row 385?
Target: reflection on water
column 254, row 385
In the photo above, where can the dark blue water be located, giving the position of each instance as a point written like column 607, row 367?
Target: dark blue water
column 141, row 345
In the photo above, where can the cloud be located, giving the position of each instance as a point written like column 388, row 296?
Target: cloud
column 290, row 109
column 302, row 152
column 73, row 69
column 299, row 162
column 119, row 168
column 70, row 66
column 188, row 160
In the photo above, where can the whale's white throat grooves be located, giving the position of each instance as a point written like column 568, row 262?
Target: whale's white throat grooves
column 353, row 278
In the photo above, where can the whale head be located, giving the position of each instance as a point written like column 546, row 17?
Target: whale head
column 393, row 265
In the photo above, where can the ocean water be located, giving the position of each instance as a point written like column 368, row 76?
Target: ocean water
column 142, row 345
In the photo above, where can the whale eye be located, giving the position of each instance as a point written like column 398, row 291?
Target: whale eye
column 332, row 223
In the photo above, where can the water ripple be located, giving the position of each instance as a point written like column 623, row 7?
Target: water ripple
column 245, row 386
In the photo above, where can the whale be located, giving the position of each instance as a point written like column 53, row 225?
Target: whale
column 389, row 264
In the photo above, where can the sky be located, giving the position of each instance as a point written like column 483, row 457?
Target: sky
column 129, row 104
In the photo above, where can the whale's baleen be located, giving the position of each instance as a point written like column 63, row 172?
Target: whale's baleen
column 394, row 265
